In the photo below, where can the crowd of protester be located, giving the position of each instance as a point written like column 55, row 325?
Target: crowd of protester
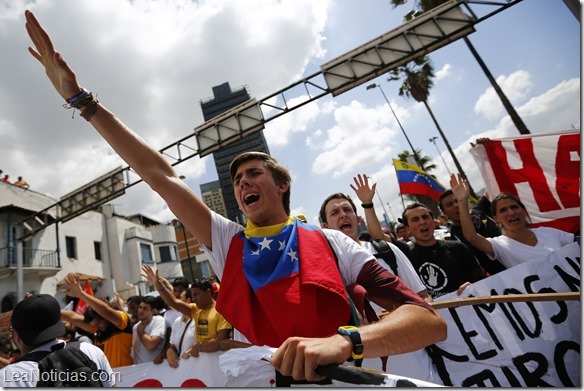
column 267, row 298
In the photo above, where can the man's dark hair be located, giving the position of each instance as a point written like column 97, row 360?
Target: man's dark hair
column 444, row 194
column 181, row 282
column 279, row 172
column 150, row 300
column 203, row 284
column 136, row 300
column 414, row 206
column 332, row 197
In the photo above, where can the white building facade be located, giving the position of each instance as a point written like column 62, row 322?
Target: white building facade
column 96, row 243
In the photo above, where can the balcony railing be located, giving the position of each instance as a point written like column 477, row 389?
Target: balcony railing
column 31, row 258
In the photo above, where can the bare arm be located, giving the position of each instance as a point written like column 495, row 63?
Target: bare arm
column 164, row 292
column 76, row 320
column 461, row 191
column 214, row 344
column 366, row 193
column 392, row 335
column 150, row 342
column 102, row 308
column 145, row 160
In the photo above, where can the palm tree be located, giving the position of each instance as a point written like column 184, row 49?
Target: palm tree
column 423, row 161
column 417, row 82
column 426, row 5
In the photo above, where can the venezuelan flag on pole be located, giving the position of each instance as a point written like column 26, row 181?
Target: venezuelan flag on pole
column 413, row 180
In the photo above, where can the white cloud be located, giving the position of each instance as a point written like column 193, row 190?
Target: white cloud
column 360, row 137
column 444, row 72
column 516, row 87
column 278, row 131
column 150, row 62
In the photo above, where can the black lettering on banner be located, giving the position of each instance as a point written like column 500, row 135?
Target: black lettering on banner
column 532, row 378
column 479, row 380
column 571, row 281
column 437, row 356
column 536, row 318
column 511, row 321
column 513, row 381
column 488, row 307
column 560, row 361
column 467, row 336
column 562, row 315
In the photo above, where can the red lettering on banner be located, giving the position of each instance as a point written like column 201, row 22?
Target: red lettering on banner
column 531, row 172
column 568, row 171
column 149, row 383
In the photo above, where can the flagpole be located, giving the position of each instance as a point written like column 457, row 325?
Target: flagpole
column 374, row 85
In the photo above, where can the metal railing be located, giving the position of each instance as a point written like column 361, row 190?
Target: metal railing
column 31, row 258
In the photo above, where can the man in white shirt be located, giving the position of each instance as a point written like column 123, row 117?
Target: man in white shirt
column 182, row 337
column 148, row 334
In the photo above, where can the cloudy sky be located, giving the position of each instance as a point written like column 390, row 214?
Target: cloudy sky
column 152, row 62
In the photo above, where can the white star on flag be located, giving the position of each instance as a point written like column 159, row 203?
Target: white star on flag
column 266, row 243
column 256, row 252
column 282, row 245
column 292, row 255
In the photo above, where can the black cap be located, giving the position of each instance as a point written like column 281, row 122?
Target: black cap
column 37, row 319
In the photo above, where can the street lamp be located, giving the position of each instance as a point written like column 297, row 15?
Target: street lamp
column 433, row 140
column 374, row 85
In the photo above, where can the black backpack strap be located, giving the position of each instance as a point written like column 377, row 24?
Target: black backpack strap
column 385, row 252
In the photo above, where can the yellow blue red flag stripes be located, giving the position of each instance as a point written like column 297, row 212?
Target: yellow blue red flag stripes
column 413, row 180
column 283, row 282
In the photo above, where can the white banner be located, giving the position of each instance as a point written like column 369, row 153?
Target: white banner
column 235, row 368
column 516, row 344
column 202, row 371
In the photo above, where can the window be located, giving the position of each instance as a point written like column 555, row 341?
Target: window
column 146, row 253
column 165, row 255
column 71, row 245
column 97, row 250
column 205, row 269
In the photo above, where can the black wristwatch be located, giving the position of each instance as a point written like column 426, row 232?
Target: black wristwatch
column 353, row 333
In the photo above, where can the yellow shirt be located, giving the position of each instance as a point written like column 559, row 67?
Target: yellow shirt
column 207, row 323
column 118, row 348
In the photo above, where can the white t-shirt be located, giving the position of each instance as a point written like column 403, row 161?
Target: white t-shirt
column 511, row 252
column 405, row 269
column 156, row 328
column 25, row 373
column 170, row 315
column 177, row 331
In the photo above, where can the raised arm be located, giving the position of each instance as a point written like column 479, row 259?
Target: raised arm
column 145, row 160
column 461, row 191
column 103, row 309
column 366, row 193
column 165, row 292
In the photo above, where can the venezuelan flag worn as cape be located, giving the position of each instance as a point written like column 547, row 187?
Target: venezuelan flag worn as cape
column 283, row 281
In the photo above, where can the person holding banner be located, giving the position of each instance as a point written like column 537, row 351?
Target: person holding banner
column 266, row 294
column 518, row 243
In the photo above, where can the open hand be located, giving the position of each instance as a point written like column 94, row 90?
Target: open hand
column 60, row 74
column 73, row 283
column 460, row 188
column 362, row 188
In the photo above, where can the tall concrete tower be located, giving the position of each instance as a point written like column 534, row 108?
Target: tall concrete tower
column 224, row 98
